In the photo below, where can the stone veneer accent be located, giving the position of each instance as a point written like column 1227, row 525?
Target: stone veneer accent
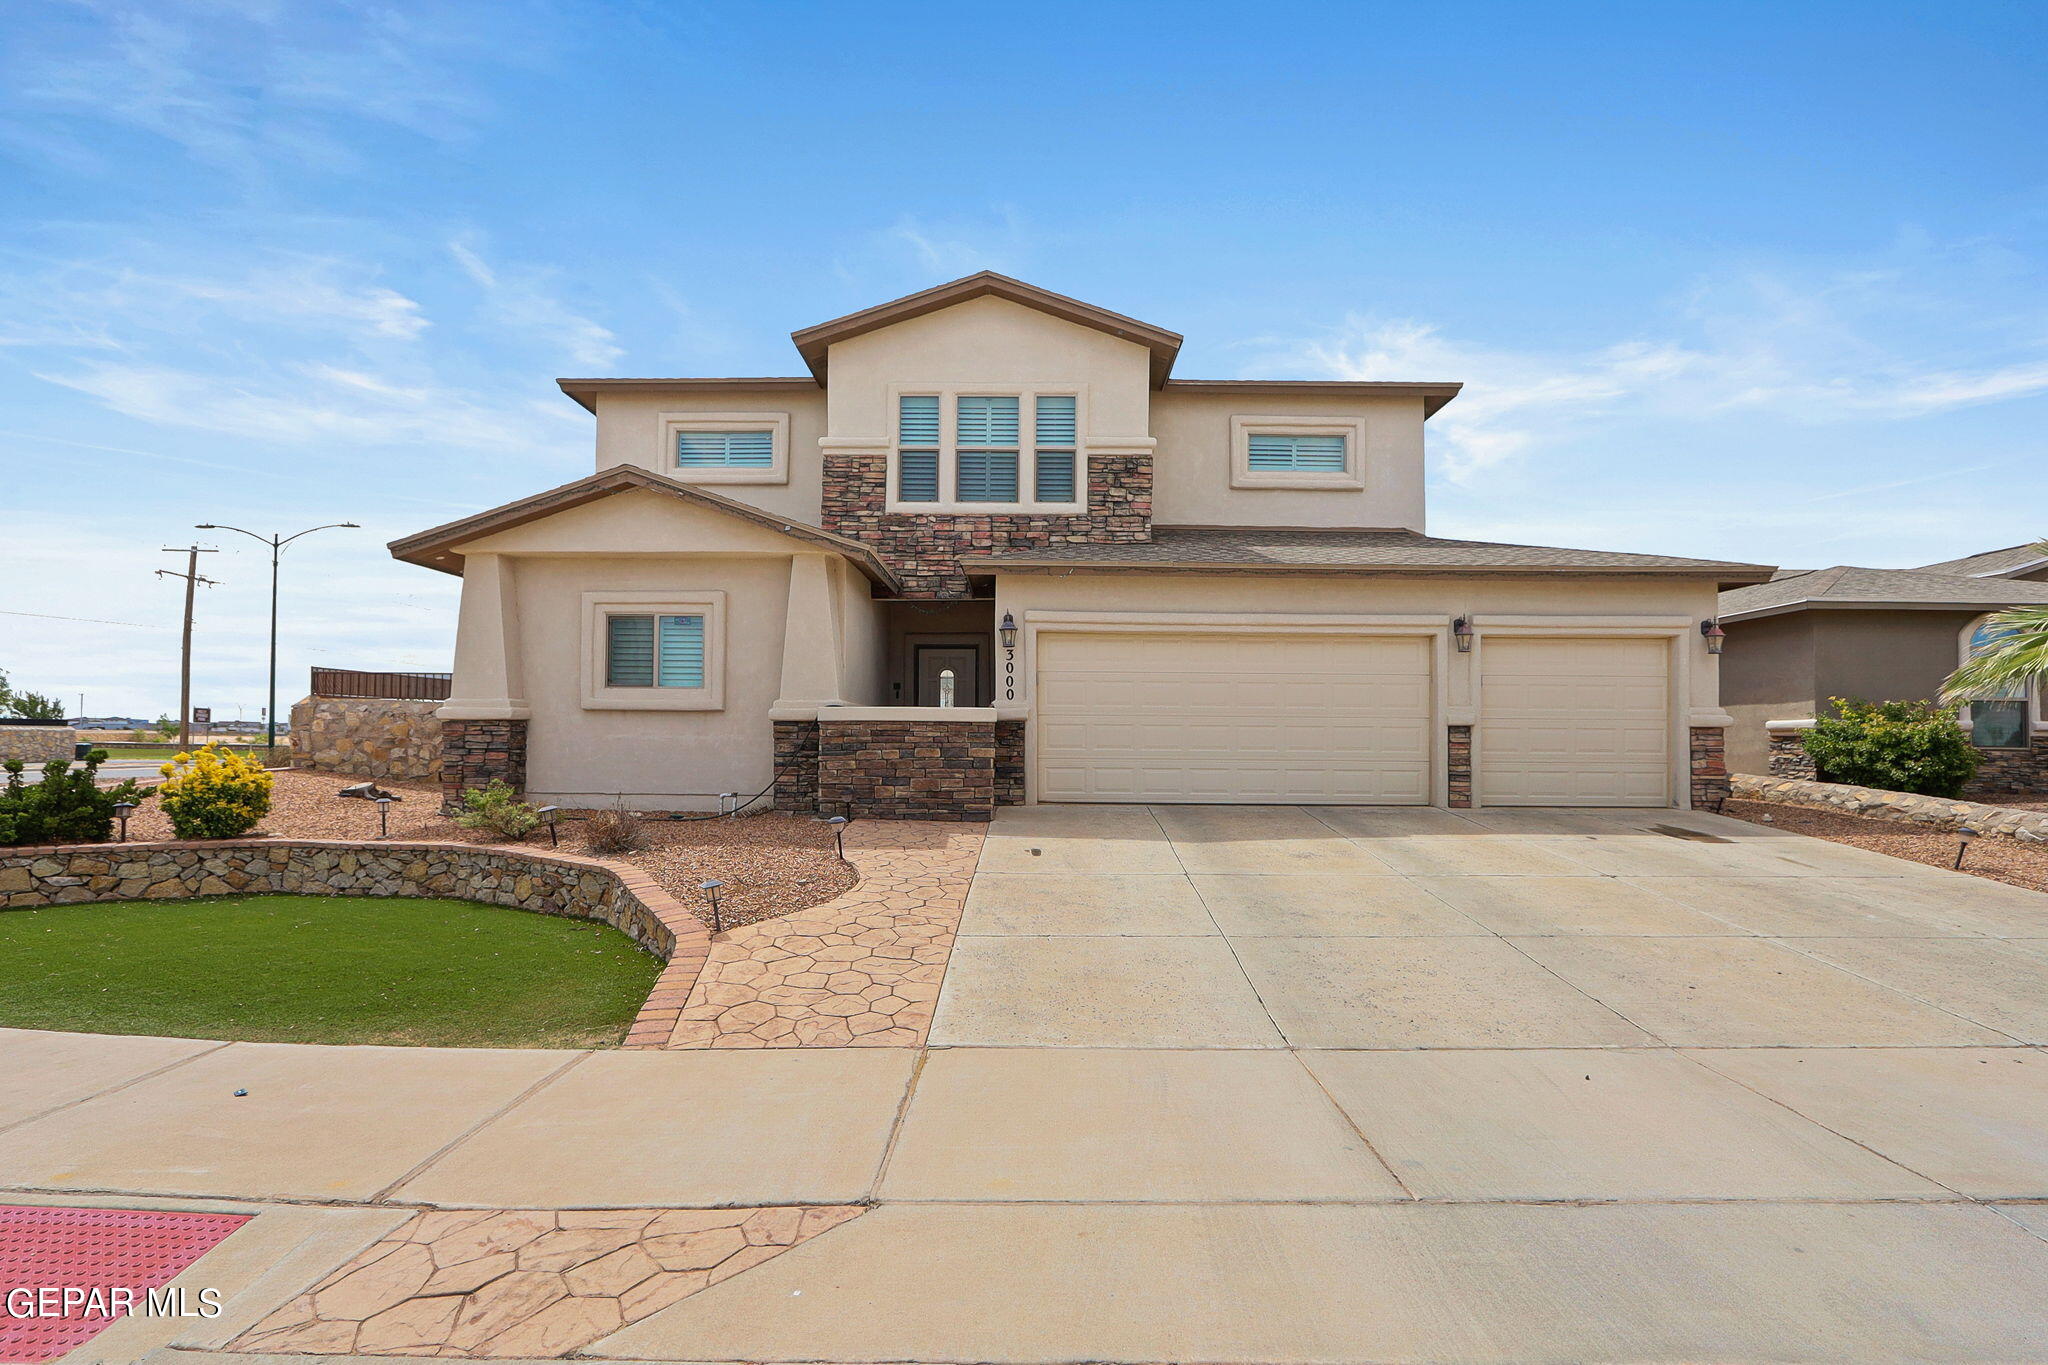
column 368, row 737
column 1460, row 767
column 796, row 765
column 36, row 745
column 1709, row 767
column 1009, row 774
column 923, row 549
column 475, row 751
column 1999, row 771
column 907, row 769
column 2027, row 826
column 549, row 883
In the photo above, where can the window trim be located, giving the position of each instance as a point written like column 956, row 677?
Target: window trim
column 774, row 423
column 598, row 607
column 1027, row 396
column 1244, row 427
column 2033, row 719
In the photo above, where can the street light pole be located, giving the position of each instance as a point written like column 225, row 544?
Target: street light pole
column 276, row 544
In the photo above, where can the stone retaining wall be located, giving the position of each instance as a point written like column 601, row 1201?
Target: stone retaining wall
column 1999, row 771
column 368, row 737
column 2028, row 826
column 36, row 745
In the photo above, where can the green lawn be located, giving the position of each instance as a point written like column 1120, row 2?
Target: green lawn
column 322, row 969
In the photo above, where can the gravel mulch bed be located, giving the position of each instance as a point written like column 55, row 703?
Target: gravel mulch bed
column 771, row 863
column 1999, row 860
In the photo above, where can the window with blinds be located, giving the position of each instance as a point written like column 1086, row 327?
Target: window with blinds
column 725, row 450
column 1271, row 453
column 654, row 651
column 985, row 441
column 917, row 438
column 1054, row 447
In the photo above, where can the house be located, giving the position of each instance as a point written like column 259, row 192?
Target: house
column 1877, row 635
column 1128, row 585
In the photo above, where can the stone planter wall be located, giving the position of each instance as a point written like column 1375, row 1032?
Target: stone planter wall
column 368, row 737
column 1936, row 812
column 1999, row 771
column 36, row 745
column 907, row 769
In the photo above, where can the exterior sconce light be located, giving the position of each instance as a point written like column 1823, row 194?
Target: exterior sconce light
column 122, row 810
column 710, row 890
column 1461, row 632
column 383, row 817
column 1714, row 635
column 1007, row 631
column 549, row 814
column 838, row 824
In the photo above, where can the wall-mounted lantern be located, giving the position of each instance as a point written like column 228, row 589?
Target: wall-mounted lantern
column 1461, row 632
column 1007, row 631
column 1711, row 631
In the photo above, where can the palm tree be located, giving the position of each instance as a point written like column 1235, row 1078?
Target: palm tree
column 2011, row 663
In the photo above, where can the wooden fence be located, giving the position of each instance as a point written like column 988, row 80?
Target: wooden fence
column 350, row 682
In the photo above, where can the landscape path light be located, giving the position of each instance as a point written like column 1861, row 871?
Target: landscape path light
column 838, row 824
column 1963, row 837
column 384, row 817
column 122, row 810
column 710, row 890
column 550, row 814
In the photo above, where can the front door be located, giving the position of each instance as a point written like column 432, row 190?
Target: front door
column 964, row 660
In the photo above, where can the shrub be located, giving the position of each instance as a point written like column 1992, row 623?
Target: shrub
column 498, row 812
column 214, row 793
column 67, row 807
column 1900, row 746
column 614, row 831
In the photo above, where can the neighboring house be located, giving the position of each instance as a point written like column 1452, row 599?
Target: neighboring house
column 1143, row 588
column 1877, row 635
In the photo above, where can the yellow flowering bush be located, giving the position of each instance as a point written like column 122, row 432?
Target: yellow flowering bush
column 215, row 793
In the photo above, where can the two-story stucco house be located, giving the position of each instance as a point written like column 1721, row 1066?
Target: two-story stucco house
column 1136, row 588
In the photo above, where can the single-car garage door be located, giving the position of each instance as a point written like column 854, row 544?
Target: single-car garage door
column 1574, row 722
column 1193, row 718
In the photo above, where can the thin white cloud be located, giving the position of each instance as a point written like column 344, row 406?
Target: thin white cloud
column 521, row 298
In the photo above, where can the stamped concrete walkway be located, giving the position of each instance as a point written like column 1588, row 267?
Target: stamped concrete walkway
column 1214, row 1084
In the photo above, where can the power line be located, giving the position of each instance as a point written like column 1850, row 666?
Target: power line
column 88, row 620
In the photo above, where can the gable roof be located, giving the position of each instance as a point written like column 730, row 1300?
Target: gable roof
column 1295, row 549
column 1848, row 586
column 434, row 548
column 813, row 342
column 1993, row 563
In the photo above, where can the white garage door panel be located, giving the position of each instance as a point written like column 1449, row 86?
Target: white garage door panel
column 1575, row 722
column 1213, row 718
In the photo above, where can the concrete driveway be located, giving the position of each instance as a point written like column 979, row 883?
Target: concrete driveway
column 1257, row 1085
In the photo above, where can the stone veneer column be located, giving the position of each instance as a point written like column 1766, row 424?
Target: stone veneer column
column 473, row 752
column 796, row 765
column 1460, row 767
column 1009, row 774
column 1709, row 768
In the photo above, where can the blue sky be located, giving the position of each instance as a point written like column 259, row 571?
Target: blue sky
column 1759, row 281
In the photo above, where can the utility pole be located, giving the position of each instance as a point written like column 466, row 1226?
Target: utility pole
column 276, row 544
column 192, row 581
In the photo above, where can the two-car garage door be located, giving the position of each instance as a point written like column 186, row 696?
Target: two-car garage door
column 1335, row 719
column 1210, row 718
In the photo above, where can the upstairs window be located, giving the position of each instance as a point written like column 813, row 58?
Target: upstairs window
column 654, row 651
column 962, row 452
column 725, row 449
column 1272, row 452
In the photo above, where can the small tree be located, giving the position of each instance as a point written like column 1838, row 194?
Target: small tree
column 37, row 706
column 1900, row 746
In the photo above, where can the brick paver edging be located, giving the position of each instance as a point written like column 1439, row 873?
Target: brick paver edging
column 1938, row 812
column 552, row 883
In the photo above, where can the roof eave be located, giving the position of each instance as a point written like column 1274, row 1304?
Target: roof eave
column 1434, row 394
column 1725, row 575
column 585, row 391
column 1822, row 604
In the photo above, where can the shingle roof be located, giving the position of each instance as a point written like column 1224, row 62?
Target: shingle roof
column 1990, row 563
column 1846, row 585
column 1309, row 550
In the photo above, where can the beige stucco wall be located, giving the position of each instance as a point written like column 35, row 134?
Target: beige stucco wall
column 1192, row 465
column 994, row 342
column 1767, row 674
column 630, row 432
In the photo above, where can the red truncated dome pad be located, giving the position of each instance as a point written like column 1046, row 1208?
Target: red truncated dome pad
column 88, row 1249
